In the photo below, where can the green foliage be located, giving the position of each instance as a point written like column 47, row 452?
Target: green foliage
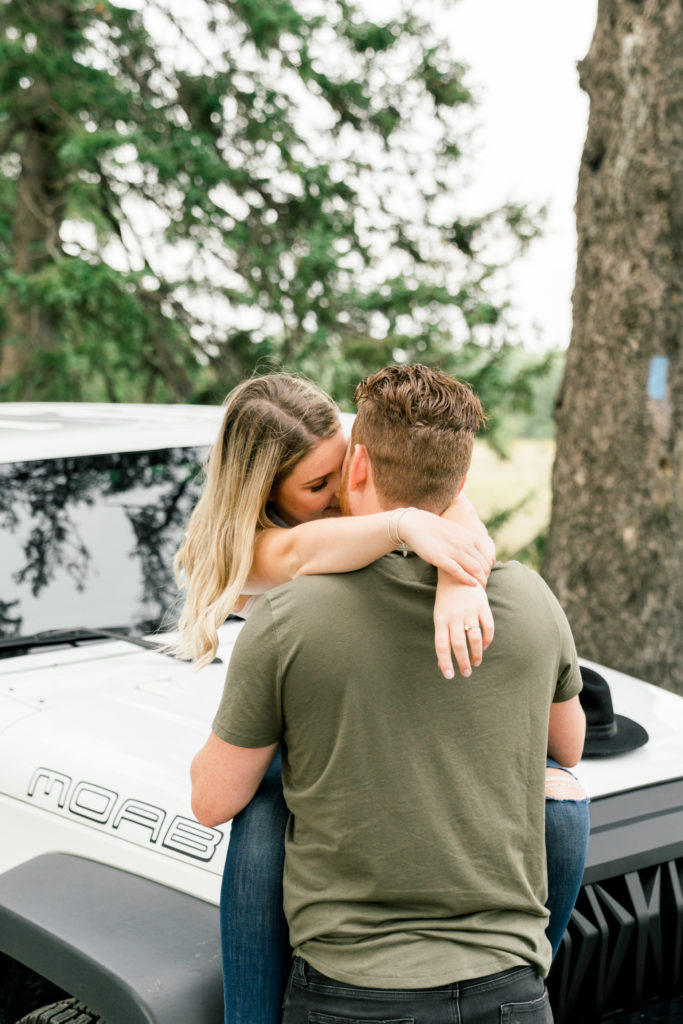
column 532, row 553
column 501, row 518
column 540, row 378
column 240, row 186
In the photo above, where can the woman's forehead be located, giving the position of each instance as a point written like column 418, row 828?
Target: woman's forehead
column 324, row 459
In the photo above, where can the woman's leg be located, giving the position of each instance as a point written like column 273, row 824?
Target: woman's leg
column 566, row 839
column 254, row 935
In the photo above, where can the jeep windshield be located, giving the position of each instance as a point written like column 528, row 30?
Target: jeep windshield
column 88, row 542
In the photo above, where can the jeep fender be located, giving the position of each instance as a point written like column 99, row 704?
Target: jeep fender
column 135, row 951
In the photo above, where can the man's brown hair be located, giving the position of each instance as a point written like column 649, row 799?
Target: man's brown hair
column 418, row 425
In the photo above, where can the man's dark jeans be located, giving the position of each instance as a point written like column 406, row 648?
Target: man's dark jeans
column 517, row 996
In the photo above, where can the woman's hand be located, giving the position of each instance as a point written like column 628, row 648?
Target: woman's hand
column 462, row 617
column 467, row 556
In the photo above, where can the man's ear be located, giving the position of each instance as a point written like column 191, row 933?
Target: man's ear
column 359, row 467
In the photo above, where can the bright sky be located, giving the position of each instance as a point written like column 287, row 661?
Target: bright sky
column 533, row 118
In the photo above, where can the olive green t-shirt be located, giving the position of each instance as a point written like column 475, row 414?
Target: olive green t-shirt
column 415, row 851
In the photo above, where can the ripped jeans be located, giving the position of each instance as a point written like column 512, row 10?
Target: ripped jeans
column 566, row 843
column 254, row 935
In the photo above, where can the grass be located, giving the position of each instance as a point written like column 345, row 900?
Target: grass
column 495, row 485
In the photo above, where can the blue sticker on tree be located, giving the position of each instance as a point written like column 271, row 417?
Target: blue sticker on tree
column 656, row 382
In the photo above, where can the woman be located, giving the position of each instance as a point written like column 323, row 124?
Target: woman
column 269, row 512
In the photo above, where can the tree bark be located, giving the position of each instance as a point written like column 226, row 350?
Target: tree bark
column 614, row 555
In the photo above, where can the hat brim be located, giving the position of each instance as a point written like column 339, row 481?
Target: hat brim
column 629, row 736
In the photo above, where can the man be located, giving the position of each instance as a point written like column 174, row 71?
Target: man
column 415, row 861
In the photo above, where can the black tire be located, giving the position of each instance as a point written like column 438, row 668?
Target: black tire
column 21, row 990
column 68, row 1011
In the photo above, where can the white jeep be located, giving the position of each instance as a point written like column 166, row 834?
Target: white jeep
column 108, row 885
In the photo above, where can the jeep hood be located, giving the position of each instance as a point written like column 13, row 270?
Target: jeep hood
column 138, row 716
column 96, row 743
column 131, row 721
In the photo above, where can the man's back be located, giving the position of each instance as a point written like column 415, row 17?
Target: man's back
column 415, row 852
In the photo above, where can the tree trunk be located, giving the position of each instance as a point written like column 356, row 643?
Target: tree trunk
column 615, row 547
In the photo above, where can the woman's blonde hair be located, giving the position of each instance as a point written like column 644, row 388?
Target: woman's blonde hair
column 270, row 423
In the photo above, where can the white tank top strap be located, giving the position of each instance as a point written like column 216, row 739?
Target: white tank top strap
column 248, row 606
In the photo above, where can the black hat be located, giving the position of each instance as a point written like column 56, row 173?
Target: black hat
column 606, row 733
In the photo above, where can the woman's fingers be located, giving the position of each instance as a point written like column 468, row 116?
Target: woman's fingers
column 461, row 652
column 486, row 623
column 462, row 576
column 463, row 628
column 447, row 545
column 472, row 556
column 474, row 638
column 487, row 549
column 442, row 645
column 450, row 639
column 479, row 631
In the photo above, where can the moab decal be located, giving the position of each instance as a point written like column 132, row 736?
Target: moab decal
column 132, row 819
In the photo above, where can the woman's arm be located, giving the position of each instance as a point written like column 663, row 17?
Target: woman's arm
column 351, row 542
column 566, row 732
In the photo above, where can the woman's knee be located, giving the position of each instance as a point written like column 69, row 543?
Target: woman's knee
column 560, row 784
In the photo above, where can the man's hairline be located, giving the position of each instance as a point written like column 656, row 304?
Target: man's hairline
column 387, row 505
